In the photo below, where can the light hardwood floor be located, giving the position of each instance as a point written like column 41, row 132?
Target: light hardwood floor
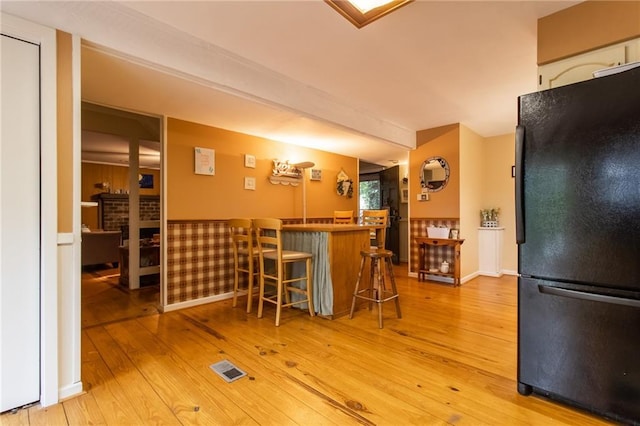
column 104, row 300
column 451, row 359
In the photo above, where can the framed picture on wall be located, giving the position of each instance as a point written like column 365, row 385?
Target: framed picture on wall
column 205, row 163
column 250, row 183
column 404, row 195
column 316, row 174
column 145, row 181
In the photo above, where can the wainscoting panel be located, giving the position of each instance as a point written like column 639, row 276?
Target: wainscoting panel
column 200, row 259
column 69, row 373
column 418, row 228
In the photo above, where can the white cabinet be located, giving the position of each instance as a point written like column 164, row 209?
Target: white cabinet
column 581, row 67
column 490, row 251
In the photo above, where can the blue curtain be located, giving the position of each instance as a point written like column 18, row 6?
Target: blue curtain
column 316, row 243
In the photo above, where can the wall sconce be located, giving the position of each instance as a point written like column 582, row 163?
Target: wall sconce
column 284, row 173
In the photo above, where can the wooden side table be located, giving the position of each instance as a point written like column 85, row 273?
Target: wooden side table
column 424, row 244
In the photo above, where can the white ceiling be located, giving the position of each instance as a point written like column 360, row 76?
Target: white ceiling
column 114, row 149
column 297, row 71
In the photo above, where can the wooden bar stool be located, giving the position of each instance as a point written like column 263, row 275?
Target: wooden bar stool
column 244, row 254
column 377, row 291
column 380, row 259
column 269, row 238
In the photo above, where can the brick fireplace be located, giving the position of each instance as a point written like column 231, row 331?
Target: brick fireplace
column 113, row 210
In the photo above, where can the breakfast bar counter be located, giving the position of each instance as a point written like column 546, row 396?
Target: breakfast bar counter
column 336, row 261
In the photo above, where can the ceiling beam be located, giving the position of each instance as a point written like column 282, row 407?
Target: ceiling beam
column 140, row 39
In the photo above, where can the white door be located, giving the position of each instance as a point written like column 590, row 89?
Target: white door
column 19, row 223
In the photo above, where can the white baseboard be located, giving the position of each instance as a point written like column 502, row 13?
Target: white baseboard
column 490, row 274
column 465, row 278
column 70, row 390
column 196, row 302
column 499, row 274
column 468, row 277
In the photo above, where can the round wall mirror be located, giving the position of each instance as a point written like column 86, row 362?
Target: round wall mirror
column 434, row 174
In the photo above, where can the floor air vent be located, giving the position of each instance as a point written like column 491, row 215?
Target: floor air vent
column 227, row 371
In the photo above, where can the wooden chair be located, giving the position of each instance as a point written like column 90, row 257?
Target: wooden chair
column 343, row 217
column 379, row 259
column 244, row 248
column 377, row 220
column 269, row 238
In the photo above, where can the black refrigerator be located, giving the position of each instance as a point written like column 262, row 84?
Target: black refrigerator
column 578, row 233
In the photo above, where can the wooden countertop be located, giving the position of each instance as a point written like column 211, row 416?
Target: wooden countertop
column 324, row 227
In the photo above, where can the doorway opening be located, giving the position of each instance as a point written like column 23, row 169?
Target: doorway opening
column 380, row 189
column 121, row 214
column 369, row 193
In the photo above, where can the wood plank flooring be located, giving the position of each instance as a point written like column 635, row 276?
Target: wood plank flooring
column 104, row 300
column 451, row 359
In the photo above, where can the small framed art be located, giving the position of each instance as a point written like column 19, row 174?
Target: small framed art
column 250, row 183
column 316, row 174
column 145, row 181
column 205, row 162
column 404, row 195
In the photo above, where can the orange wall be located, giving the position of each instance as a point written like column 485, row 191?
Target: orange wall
column 480, row 179
column 222, row 196
column 443, row 142
column 65, row 132
column 118, row 178
column 586, row 26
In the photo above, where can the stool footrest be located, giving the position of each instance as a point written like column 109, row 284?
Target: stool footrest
column 375, row 299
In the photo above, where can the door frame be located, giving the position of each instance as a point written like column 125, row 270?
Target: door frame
column 46, row 38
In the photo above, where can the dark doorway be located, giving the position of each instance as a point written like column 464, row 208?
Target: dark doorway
column 390, row 199
column 384, row 186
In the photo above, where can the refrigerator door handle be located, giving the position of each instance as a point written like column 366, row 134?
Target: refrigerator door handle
column 573, row 294
column 520, row 236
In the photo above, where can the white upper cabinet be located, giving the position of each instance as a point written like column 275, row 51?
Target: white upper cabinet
column 581, row 67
